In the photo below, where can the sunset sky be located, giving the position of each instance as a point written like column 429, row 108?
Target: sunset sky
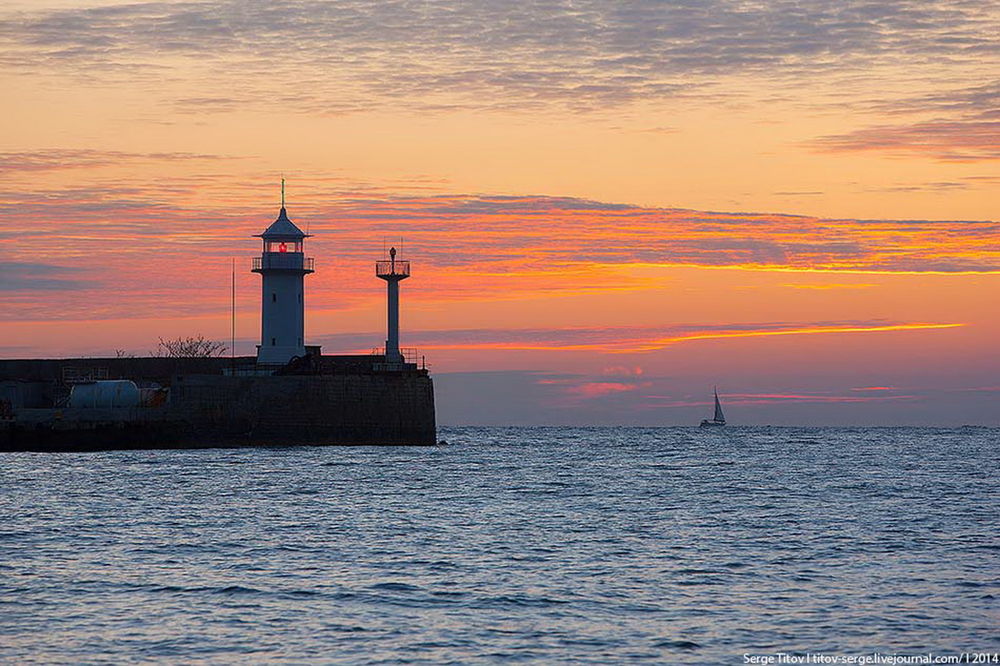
column 611, row 207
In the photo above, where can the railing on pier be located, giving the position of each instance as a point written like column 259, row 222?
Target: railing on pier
column 411, row 359
column 77, row 375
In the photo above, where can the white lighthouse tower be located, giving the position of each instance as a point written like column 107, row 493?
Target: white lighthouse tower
column 393, row 272
column 282, row 265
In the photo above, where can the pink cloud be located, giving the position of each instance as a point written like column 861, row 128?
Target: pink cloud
column 599, row 389
column 622, row 371
column 578, row 388
column 774, row 398
column 943, row 140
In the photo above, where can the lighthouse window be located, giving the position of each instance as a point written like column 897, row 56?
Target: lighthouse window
column 300, row 298
column 282, row 246
column 273, row 340
column 274, row 298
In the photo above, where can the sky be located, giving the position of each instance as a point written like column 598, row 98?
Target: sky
column 610, row 207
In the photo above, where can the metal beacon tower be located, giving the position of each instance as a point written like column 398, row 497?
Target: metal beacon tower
column 393, row 272
column 282, row 265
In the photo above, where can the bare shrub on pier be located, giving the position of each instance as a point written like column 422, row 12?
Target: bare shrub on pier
column 190, row 347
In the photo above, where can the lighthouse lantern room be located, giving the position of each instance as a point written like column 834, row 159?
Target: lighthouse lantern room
column 282, row 265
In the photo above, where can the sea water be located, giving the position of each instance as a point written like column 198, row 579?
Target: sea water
column 545, row 545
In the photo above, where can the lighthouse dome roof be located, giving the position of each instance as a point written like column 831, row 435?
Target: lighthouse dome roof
column 283, row 229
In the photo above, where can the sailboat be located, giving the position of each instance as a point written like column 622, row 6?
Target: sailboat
column 719, row 419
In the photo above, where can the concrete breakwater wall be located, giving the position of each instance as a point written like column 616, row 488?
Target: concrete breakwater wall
column 345, row 400
column 339, row 409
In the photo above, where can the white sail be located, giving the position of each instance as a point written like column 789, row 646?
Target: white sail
column 719, row 419
column 719, row 416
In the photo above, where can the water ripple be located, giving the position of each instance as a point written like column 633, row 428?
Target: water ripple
column 543, row 545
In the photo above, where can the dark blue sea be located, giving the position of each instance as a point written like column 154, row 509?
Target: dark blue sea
column 535, row 545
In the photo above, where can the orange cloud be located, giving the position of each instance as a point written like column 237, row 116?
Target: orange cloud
column 155, row 248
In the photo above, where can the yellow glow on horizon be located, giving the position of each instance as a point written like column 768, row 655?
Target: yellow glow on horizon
column 632, row 346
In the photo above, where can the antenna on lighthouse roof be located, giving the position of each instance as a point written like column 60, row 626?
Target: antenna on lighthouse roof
column 282, row 191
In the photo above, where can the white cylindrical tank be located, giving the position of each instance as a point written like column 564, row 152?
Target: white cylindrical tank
column 104, row 394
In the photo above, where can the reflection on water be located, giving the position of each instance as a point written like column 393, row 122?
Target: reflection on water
column 539, row 544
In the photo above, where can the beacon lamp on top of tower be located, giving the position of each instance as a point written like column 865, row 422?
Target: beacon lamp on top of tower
column 282, row 265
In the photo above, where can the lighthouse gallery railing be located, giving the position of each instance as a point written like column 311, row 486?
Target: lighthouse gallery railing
column 392, row 268
column 289, row 261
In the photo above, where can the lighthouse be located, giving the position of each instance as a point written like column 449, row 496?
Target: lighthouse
column 283, row 267
column 393, row 272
